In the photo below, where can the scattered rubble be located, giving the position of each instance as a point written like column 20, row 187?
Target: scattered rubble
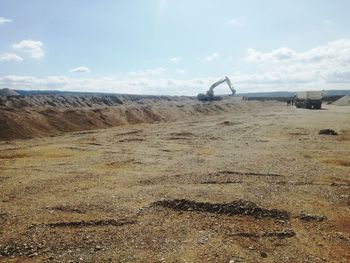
column 307, row 217
column 30, row 250
column 240, row 207
column 107, row 222
column 67, row 209
column 227, row 172
column 327, row 132
column 223, row 182
column 279, row 234
column 129, row 133
column 132, row 140
column 182, row 134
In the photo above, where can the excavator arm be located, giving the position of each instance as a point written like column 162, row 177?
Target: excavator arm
column 210, row 92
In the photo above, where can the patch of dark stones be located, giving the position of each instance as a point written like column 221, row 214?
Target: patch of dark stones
column 327, row 132
column 240, row 207
column 307, row 217
column 180, row 134
column 29, row 250
column 107, row 222
column 132, row 140
column 129, row 133
column 68, row 209
column 244, row 173
column 288, row 233
column 222, row 182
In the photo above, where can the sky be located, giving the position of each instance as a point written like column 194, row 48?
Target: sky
column 174, row 47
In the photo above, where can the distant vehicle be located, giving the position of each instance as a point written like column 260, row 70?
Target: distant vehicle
column 308, row 99
column 209, row 96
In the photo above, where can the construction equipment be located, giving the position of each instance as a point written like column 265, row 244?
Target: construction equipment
column 308, row 99
column 209, row 96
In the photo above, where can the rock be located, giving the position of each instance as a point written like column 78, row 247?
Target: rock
column 263, row 254
column 98, row 247
column 33, row 255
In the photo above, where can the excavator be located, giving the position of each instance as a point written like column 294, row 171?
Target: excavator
column 209, row 96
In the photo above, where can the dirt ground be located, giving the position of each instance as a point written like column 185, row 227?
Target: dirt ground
column 256, row 184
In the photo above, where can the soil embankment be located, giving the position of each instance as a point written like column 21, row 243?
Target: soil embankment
column 31, row 116
column 343, row 101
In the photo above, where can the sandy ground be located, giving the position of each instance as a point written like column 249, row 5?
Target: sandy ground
column 254, row 185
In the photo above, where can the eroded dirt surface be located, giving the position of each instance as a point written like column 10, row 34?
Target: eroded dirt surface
column 256, row 183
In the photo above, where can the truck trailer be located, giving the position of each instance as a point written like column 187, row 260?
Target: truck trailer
column 308, row 99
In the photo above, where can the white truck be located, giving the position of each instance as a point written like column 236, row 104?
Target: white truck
column 308, row 99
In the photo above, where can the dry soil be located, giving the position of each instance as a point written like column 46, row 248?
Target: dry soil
column 252, row 182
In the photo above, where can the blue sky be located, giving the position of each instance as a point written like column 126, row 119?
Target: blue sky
column 174, row 46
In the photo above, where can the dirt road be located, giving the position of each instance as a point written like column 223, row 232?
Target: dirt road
column 257, row 184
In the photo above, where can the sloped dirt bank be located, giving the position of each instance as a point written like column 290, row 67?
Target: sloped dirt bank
column 33, row 116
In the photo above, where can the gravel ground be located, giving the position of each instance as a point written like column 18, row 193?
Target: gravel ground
column 253, row 183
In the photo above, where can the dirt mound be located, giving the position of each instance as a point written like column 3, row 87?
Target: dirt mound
column 343, row 101
column 46, row 115
column 70, row 101
column 7, row 92
column 240, row 207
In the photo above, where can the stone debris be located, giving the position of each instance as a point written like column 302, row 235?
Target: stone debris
column 279, row 234
column 240, row 207
column 107, row 222
column 307, row 217
column 327, row 132
column 30, row 250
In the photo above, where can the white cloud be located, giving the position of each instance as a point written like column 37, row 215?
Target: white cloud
column 4, row 20
column 333, row 51
column 10, row 57
column 148, row 72
column 282, row 53
column 323, row 67
column 176, row 59
column 31, row 47
column 81, row 69
column 180, row 71
column 162, row 86
column 235, row 22
column 212, row 57
column 169, row 86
